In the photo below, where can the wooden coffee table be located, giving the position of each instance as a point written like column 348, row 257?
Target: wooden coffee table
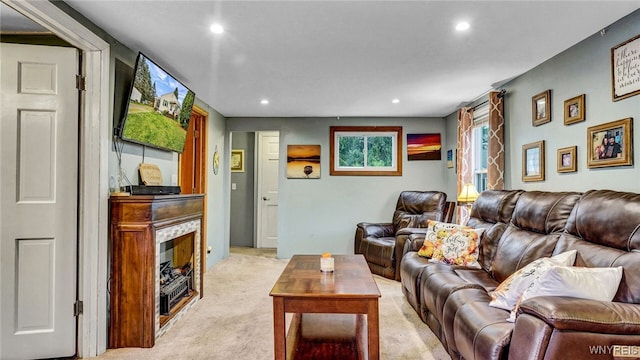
column 303, row 288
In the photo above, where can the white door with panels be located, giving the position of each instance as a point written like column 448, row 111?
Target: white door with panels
column 38, row 201
column 268, row 159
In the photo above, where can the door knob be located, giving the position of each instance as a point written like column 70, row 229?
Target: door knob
column 265, row 198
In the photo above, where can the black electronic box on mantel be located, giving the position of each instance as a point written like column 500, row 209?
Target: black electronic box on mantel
column 151, row 190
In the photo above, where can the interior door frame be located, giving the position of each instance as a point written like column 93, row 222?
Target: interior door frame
column 199, row 119
column 93, row 185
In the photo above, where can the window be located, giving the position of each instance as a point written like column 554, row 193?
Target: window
column 366, row 150
column 480, row 147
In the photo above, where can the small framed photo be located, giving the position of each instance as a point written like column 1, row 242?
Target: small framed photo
column 610, row 144
column 237, row 160
column 567, row 159
column 574, row 110
column 541, row 108
column 533, row 161
column 450, row 160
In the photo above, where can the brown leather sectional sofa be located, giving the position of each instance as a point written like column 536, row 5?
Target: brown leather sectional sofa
column 520, row 227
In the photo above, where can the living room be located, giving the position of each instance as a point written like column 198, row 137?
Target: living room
column 319, row 215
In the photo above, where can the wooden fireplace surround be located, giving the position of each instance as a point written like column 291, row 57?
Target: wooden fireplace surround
column 135, row 221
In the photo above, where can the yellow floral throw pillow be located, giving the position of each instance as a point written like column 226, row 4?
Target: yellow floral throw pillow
column 436, row 231
column 459, row 247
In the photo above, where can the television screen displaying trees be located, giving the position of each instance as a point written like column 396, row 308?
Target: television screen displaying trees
column 159, row 108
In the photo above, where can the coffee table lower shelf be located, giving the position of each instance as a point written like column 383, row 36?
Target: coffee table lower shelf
column 327, row 336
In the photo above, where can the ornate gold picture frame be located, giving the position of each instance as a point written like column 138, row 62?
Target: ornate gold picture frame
column 541, row 108
column 533, row 161
column 574, row 110
column 610, row 144
column 567, row 161
column 237, row 160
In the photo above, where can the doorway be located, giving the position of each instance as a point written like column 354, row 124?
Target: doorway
column 242, row 191
column 254, row 194
column 93, row 186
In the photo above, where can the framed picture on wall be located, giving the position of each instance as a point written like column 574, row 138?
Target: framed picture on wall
column 423, row 147
column 625, row 65
column 567, row 159
column 533, row 161
column 237, row 160
column 450, row 160
column 574, row 110
column 541, row 108
column 303, row 161
column 610, row 144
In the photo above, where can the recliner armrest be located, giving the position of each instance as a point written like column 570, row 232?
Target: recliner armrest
column 414, row 242
column 365, row 230
column 567, row 313
column 403, row 237
column 376, row 229
column 558, row 327
column 410, row 231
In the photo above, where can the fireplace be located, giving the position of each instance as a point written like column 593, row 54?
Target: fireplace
column 177, row 253
column 156, row 265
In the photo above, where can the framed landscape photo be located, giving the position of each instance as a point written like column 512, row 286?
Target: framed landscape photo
column 541, row 108
column 303, row 161
column 533, row 161
column 610, row 144
column 567, row 159
column 237, row 160
column 423, row 147
column 625, row 69
column 574, row 110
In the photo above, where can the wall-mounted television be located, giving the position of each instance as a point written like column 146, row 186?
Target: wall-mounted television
column 159, row 107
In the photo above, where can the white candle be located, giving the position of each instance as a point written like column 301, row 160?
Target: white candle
column 326, row 263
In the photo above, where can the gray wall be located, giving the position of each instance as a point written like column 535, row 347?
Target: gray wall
column 241, row 214
column 582, row 69
column 217, row 212
column 320, row 215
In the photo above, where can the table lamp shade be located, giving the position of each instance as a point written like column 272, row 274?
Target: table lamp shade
column 468, row 194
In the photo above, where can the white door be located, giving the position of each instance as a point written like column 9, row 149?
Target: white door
column 268, row 158
column 38, row 201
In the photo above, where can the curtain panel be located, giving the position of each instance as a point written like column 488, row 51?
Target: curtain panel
column 495, row 163
column 464, row 160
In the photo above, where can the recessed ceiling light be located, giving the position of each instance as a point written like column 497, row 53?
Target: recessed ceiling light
column 216, row 29
column 395, row 101
column 264, row 101
column 462, row 26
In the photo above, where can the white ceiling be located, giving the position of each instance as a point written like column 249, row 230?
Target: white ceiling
column 348, row 58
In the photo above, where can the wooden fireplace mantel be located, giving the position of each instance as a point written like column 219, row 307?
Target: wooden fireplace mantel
column 134, row 223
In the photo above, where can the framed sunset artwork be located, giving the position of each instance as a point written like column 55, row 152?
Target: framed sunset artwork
column 424, row 147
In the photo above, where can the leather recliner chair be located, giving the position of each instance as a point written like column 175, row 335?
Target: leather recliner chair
column 377, row 241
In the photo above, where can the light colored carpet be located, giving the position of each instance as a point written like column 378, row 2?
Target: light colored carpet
column 234, row 319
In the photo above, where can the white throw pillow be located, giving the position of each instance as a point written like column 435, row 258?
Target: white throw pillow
column 507, row 294
column 579, row 282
